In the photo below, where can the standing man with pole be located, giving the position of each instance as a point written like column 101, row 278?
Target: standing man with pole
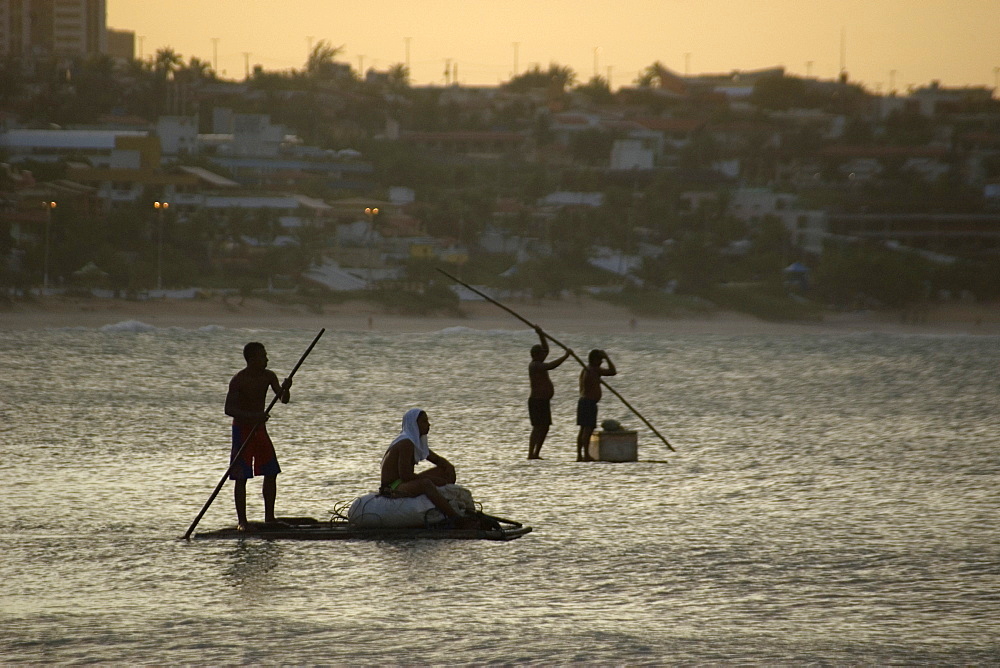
column 236, row 455
column 253, row 452
column 542, row 391
column 590, row 394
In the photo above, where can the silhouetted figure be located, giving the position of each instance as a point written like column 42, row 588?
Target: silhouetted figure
column 399, row 480
column 542, row 391
column 590, row 394
column 245, row 404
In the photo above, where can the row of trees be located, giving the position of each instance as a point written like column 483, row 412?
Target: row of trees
column 127, row 247
column 211, row 250
column 167, row 83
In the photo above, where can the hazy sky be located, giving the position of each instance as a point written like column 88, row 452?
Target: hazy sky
column 886, row 42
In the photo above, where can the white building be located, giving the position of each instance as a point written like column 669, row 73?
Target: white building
column 565, row 198
column 247, row 134
column 807, row 228
column 178, row 134
column 96, row 146
column 629, row 154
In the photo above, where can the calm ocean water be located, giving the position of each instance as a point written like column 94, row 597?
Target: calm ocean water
column 833, row 500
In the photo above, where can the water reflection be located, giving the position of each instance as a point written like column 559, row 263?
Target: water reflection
column 251, row 561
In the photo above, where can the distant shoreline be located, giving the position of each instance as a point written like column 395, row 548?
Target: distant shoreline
column 584, row 315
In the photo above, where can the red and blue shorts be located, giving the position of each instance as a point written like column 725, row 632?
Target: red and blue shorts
column 257, row 458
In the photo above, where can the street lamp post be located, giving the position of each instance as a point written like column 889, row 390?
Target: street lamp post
column 49, row 206
column 161, row 208
column 371, row 212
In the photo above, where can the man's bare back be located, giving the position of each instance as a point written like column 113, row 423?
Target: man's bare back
column 590, row 383
column 248, row 393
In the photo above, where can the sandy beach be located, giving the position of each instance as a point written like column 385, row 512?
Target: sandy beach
column 570, row 315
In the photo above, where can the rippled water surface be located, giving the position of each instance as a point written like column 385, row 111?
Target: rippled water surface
column 832, row 500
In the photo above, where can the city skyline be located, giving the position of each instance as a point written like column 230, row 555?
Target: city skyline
column 889, row 45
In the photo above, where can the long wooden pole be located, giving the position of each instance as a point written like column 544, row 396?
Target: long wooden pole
column 234, row 458
column 566, row 348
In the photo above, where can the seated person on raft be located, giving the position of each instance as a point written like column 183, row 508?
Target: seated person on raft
column 399, row 480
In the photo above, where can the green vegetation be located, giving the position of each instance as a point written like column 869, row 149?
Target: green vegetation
column 851, row 276
column 696, row 257
column 765, row 302
column 550, row 277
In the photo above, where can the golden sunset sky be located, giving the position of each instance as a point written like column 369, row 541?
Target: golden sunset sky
column 881, row 43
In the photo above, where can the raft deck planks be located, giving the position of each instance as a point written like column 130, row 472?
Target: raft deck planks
column 312, row 529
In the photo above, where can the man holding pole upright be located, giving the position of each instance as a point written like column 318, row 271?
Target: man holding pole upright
column 590, row 394
column 253, row 452
column 542, row 391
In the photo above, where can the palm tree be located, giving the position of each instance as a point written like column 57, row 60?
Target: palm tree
column 597, row 90
column 556, row 77
column 561, row 76
column 399, row 77
column 166, row 61
column 196, row 70
column 651, row 75
column 322, row 57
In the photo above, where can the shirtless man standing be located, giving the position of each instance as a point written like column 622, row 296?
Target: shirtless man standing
column 542, row 391
column 245, row 404
column 590, row 394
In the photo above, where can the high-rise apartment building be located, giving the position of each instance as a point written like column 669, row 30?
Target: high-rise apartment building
column 121, row 44
column 37, row 29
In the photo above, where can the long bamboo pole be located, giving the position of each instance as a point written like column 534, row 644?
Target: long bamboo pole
column 566, row 348
column 218, row 488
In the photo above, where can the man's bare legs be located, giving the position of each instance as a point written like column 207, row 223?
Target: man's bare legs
column 427, row 483
column 442, row 474
column 270, row 493
column 535, row 441
column 240, row 497
column 582, row 443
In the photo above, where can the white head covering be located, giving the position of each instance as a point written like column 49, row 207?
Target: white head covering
column 411, row 432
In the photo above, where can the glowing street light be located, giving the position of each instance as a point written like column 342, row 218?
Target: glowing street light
column 49, row 207
column 161, row 208
column 371, row 212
